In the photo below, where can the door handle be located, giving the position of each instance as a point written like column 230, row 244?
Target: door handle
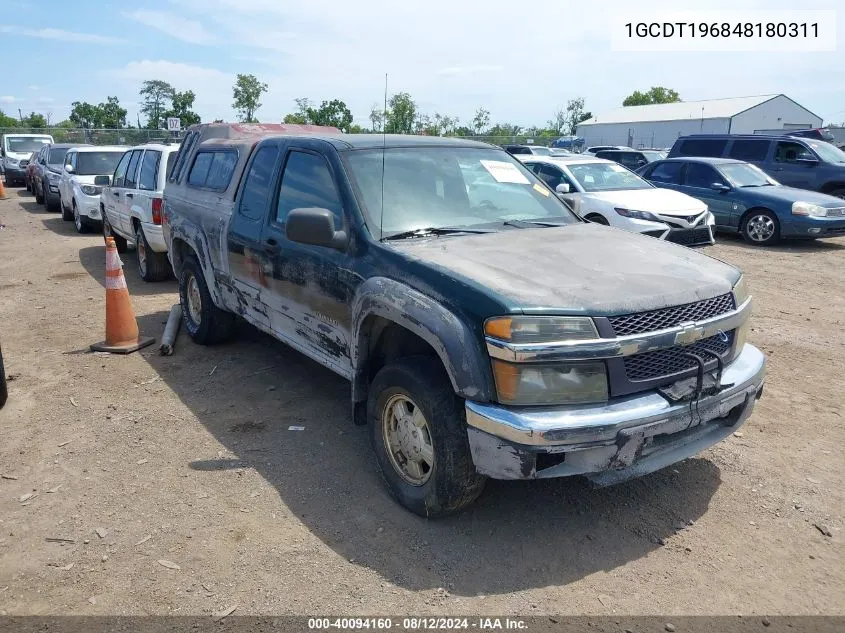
column 271, row 246
column 130, row 195
column 115, row 193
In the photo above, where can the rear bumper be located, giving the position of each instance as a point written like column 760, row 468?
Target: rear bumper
column 624, row 438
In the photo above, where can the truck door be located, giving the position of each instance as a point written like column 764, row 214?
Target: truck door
column 112, row 196
column 310, row 287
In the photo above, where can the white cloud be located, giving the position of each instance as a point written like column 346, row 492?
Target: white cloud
column 190, row 31
column 8, row 99
column 60, row 35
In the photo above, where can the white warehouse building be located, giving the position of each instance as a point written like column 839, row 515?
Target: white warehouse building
column 660, row 124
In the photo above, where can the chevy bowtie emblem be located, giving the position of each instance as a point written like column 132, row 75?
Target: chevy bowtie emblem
column 689, row 334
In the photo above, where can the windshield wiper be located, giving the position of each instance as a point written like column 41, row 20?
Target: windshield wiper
column 434, row 230
column 519, row 223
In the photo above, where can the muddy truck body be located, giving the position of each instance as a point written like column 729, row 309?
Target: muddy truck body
column 485, row 329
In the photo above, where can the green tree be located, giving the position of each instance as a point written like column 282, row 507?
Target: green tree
column 246, row 92
column 401, row 114
column 86, row 115
column 180, row 108
column 154, row 95
column 302, row 114
column 8, row 121
column 656, row 94
column 376, row 117
column 505, row 129
column 481, row 121
column 558, row 122
column 111, row 114
column 35, row 120
column 334, row 113
column 574, row 115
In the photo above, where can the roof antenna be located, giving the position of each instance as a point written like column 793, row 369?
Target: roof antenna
column 383, row 146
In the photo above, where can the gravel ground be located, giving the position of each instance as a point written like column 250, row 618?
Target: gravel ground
column 181, row 489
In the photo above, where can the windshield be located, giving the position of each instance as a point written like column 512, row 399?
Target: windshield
column 57, row 156
column 827, row 152
column 653, row 156
column 447, row 187
column 96, row 163
column 606, row 177
column 25, row 144
column 745, row 175
column 541, row 151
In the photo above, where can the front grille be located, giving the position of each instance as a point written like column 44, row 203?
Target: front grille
column 667, row 362
column 690, row 237
column 670, row 317
column 831, row 213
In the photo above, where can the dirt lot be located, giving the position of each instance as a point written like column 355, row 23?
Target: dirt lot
column 188, row 460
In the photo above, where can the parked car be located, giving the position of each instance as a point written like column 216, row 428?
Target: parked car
column 79, row 193
column 30, row 170
column 744, row 199
column 535, row 150
column 17, row 147
column 591, row 151
column 486, row 330
column 795, row 162
column 573, row 143
column 632, row 159
column 48, row 173
column 604, row 192
column 131, row 206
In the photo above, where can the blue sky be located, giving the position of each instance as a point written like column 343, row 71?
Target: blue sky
column 521, row 61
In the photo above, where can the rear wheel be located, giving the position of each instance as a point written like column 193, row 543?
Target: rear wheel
column 595, row 218
column 152, row 266
column 761, row 228
column 67, row 214
column 39, row 193
column 206, row 323
column 119, row 242
column 418, row 432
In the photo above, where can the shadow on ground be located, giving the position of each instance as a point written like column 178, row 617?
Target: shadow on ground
column 93, row 260
column 519, row 535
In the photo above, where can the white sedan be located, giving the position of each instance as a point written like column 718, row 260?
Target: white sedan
column 604, row 192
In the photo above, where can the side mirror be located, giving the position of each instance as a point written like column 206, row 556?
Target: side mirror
column 102, row 181
column 69, row 168
column 315, row 226
column 562, row 187
column 718, row 186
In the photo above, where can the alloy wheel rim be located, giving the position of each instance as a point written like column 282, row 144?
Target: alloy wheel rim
column 142, row 252
column 194, row 299
column 407, row 437
column 77, row 219
column 760, row 228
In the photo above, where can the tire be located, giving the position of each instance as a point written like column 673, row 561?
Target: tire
column 760, row 227
column 451, row 483
column 595, row 218
column 152, row 266
column 39, row 194
column 67, row 214
column 50, row 204
column 207, row 324
column 119, row 242
column 79, row 222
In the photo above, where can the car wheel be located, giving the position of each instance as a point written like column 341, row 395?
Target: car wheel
column 79, row 222
column 51, row 203
column 152, row 266
column 418, row 432
column 206, row 323
column 595, row 218
column 39, row 194
column 67, row 214
column 761, row 228
column 119, row 242
column 27, row 185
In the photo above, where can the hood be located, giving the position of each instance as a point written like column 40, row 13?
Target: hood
column 662, row 201
column 19, row 156
column 790, row 195
column 578, row 269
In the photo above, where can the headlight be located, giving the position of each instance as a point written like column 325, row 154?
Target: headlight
column 809, row 209
column 90, row 190
column 540, row 329
column 52, row 176
column 637, row 215
column 560, row 383
column 11, row 162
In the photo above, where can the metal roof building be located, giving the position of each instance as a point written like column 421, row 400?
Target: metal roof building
column 660, row 124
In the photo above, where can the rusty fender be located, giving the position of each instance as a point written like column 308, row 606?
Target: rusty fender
column 194, row 238
column 458, row 349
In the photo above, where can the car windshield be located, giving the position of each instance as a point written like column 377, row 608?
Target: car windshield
column 437, row 187
column 97, row 163
column 541, row 151
column 653, row 156
column 24, row 144
column 606, row 177
column 745, row 175
column 57, row 156
column 827, row 152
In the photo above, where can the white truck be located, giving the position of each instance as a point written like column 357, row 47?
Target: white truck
column 16, row 148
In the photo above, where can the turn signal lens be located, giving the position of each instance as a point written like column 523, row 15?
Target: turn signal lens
column 540, row 329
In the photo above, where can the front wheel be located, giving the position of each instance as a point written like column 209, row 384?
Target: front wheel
column 206, row 323
column 67, row 214
column 39, row 193
column 761, row 228
column 419, row 435
column 78, row 221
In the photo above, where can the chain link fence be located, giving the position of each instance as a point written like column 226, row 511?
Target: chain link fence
column 123, row 136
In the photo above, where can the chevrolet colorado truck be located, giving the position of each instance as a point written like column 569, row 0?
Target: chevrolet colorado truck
column 486, row 330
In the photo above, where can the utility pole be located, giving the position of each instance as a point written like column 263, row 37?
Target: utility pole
column 20, row 115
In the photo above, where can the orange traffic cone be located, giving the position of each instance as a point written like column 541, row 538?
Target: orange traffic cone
column 121, row 328
column 3, row 194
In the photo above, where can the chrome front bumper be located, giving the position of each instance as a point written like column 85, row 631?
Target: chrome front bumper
column 611, row 442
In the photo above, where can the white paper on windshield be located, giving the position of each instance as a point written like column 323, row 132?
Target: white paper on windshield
column 505, row 172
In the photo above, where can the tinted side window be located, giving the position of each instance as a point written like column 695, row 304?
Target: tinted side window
column 747, row 149
column 307, row 182
column 669, row 172
column 199, row 172
column 789, row 152
column 702, row 147
column 171, row 158
column 550, row 175
column 131, row 180
column 701, row 176
column 182, row 156
column 149, row 169
column 258, row 182
column 120, row 170
column 221, row 170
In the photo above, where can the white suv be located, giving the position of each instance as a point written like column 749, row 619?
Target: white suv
column 132, row 206
column 79, row 191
